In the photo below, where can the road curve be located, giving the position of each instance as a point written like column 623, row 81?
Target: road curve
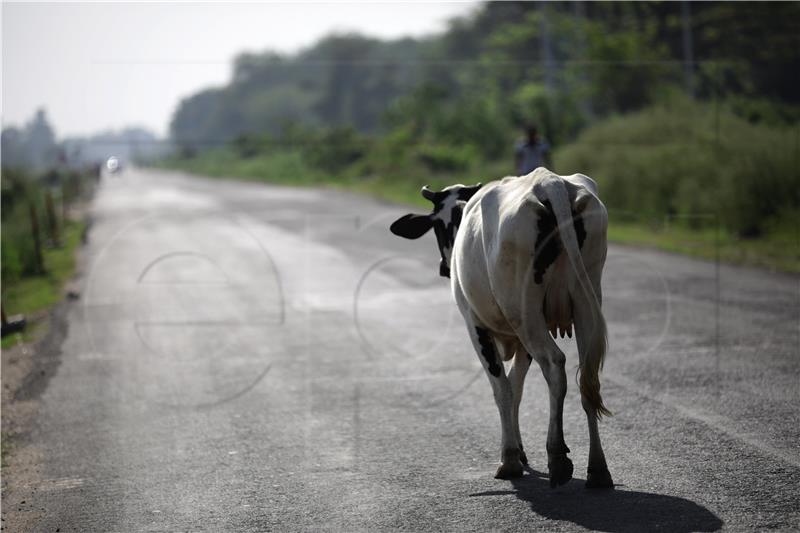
column 252, row 358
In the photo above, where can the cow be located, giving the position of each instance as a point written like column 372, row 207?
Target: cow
column 525, row 256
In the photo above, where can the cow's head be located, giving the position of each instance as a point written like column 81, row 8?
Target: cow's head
column 448, row 205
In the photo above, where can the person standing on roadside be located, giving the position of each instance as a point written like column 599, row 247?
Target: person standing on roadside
column 532, row 152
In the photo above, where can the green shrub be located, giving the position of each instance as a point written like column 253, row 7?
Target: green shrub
column 11, row 264
column 247, row 146
column 446, row 158
column 697, row 162
column 20, row 191
column 334, row 149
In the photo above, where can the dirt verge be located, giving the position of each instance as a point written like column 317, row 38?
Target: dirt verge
column 27, row 368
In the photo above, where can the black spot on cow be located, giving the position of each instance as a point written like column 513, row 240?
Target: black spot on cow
column 548, row 245
column 487, row 351
column 580, row 230
column 444, row 270
column 455, row 222
column 446, row 234
column 440, row 230
column 548, row 242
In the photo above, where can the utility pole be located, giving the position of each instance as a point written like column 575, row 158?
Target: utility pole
column 585, row 73
column 52, row 219
column 37, row 239
column 547, row 49
column 688, row 52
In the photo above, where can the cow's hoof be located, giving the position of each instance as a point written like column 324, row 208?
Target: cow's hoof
column 560, row 468
column 599, row 478
column 522, row 457
column 509, row 470
column 511, row 464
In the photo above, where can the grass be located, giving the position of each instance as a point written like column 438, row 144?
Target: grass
column 284, row 167
column 400, row 184
column 30, row 295
column 31, row 332
column 777, row 250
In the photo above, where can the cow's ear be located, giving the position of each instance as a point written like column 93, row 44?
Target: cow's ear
column 435, row 197
column 465, row 193
column 411, row 226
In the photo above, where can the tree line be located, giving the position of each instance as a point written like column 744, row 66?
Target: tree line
column 683, row 111
column 562, row 64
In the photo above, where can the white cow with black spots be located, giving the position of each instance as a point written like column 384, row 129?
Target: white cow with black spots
column 525, row 256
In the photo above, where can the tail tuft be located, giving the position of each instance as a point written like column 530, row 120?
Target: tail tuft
column 592, row 363
column 590, row 390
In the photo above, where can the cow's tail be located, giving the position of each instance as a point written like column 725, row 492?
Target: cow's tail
column 594, row 352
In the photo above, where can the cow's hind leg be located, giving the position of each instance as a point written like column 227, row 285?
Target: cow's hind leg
column 598, row 476
column 510, row 465
column 551, row 360
column 516, row 376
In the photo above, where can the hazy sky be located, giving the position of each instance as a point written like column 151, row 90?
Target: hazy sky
column 97, row 66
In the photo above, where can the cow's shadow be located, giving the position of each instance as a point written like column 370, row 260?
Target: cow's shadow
column 614, row 510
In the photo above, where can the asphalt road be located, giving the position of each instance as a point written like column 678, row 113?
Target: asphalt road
column 251, row 358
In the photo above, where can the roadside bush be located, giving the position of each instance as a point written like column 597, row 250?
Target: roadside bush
column 694, row 161
column 19, row 191
column 247, row 146
column 555, row 114
column 22, row 191
column 11, row 264
column 446, row 158
column 334, row 149
column 19, row 253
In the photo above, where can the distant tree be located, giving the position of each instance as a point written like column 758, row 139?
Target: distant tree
column 193, row 123
column 33, row 147
column 561, row 64
column 40, row 141
column 13, row 147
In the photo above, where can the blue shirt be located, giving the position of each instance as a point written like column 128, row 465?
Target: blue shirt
column 530, row 156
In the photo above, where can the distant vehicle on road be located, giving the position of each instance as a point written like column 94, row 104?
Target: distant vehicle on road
column 113, row 165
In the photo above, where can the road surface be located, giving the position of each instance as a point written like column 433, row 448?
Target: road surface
column 254, row 358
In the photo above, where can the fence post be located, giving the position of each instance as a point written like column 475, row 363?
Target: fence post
column 52, row 220
column 37, row 241
column 64, row 206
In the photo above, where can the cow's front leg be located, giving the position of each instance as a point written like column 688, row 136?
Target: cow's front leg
column 551, row 360
column 510, row 464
